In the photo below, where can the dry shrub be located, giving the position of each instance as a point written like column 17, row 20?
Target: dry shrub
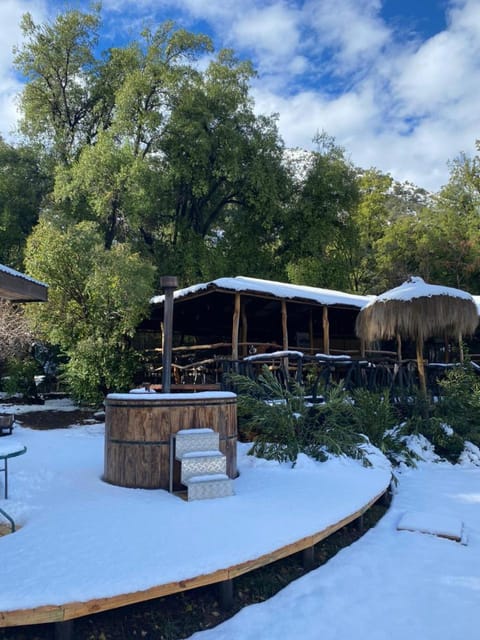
column 16, row 337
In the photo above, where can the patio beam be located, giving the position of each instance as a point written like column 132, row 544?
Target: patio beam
column 236, row 326
column 326, row 331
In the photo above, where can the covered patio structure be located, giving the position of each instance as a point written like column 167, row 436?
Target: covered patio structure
column 229, row 319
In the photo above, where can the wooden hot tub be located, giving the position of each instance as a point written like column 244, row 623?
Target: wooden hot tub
column 138, row 428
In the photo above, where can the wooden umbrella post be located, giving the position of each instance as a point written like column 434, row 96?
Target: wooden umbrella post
column 399, row 347
column 168, row 284
column 421, row 367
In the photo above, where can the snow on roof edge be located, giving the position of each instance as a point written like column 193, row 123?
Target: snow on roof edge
column 415, row 287
column 278, row 289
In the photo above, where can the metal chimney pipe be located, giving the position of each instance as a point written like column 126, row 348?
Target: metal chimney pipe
column 168, row 284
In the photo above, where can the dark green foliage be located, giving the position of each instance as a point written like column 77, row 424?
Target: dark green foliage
column 331, row 427
column 20, row 378
column 22, row 187
column 318, row 232
column 374, row 415
column 446, row 442
column 377, row 417
column 459, row 403
column 282, row 424
column 449, row 420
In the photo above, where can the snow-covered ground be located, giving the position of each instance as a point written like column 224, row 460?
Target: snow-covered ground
column 390, row 584
column 82, row 539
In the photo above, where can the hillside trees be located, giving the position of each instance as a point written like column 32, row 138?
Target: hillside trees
column 370, row 219
column 440, row 242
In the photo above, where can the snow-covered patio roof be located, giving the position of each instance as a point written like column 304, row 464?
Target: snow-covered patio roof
column 270, row 288
column 20, row 287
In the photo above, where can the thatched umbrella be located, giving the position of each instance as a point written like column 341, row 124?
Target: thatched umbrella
column 418, row 310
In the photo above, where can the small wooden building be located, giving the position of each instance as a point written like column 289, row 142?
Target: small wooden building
column 231, row 318
column 19, row 287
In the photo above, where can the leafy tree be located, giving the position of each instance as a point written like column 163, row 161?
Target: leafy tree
column 155, row 70
column 233, row 174
column 319, row 226
column 101, row 186
column 96, row 299
column 22, row 187
column 396, row 255
column 61, row 100
column 370, row 218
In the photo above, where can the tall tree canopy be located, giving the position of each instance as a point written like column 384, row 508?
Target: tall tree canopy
column 319, row 226
column 23, row 185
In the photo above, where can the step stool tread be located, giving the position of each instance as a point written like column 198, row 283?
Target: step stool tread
column 199, row 465
column 213, row 477
column 213, row 453
column 188, row 432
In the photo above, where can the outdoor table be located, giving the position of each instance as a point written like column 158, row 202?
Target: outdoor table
column 9, row 449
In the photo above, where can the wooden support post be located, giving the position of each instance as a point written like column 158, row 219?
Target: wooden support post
column 235, row 326
column 326, row 331
column 386, row 498
column 360, row 524
column 244, row 330
column 284, row 326
column 63, row 630
column 308, row 558
column 311, row 339
column 225, row 594
column 460, row 347
column 285, row 340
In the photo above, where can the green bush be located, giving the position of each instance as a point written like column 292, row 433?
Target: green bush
column 282, row 424
column 459, row 403
column 98, row 366
column 20, row 378
column 374, row 415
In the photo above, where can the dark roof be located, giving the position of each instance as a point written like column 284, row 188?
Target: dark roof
column 20, row 287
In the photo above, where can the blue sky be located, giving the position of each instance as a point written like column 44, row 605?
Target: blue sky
column 396, row 82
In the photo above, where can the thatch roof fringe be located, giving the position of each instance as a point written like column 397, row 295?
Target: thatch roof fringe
column 418, row 318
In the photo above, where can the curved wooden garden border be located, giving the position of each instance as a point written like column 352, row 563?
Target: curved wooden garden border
column 72, row 610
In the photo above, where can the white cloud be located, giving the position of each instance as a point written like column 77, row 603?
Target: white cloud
column 409, row 107
column 11, row 12
column 271, row 31
column 351, row 29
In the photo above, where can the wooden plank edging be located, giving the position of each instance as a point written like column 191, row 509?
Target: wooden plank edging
column 71, row 610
